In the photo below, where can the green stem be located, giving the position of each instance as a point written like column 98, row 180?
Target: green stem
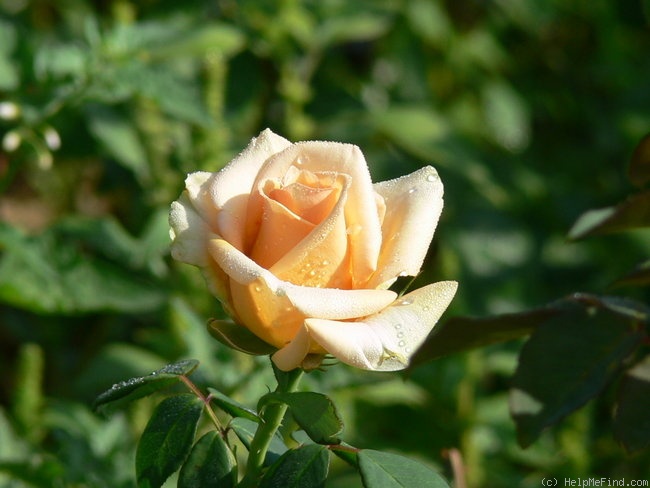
column 271, row 419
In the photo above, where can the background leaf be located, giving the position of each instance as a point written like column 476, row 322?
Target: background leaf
column 304, row 467
column 210, row 463
column 385, row 470
column 167, row 439
column 632, row 417
column 566, row 362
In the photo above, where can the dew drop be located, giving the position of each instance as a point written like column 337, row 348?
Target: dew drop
column 401, row 343
column 432, row 177
column 258, row 288
column 407, row 350
column 413, row 190
column 312, row 273
column 425, row 308
column 406, row 301
column 398, row 326
column 400, row 334
column 325, row 262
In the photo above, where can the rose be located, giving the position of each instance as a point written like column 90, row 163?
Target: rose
column 300, row 247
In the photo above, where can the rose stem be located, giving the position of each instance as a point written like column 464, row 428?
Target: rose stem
column 271, row 419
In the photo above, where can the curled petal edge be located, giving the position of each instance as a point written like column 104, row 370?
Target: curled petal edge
column 382, row 342
column 326, row 303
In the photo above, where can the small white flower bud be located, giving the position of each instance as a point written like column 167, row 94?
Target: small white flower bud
column 52, row 138
column 9, row 110
column 11, row 141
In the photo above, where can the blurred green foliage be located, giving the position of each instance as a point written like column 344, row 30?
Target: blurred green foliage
column 529, row 110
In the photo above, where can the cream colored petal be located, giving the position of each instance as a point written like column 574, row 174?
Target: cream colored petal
column 413, row 207
column 188, row 232
column 293, row 354
column 385, row 341
column 325, row 303
column 361, row 208
column 228, row 190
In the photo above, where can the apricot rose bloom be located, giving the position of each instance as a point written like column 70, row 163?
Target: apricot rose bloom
column 300, row 247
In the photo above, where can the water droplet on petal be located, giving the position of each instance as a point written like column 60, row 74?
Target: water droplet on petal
column 425, row 308
column 398, row 326
column 258, row 288
column 405, row 301
column 432, row 177
column 401, row 343
column 400, row 334
column 413, row 190
column 325, row 262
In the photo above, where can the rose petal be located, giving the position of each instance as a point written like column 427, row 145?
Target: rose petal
column 321, row 259
column 280, row 231
column 361, row 209
column 325, row 303
column 413, row 207
column 292, row 355
column 189, row 233
column 386, row 340
column 228, row 190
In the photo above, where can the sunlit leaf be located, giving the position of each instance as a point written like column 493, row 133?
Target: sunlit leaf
column 119, row 138
column 44, row 273
column 568, row 360
column 314, row 412
column 639, row 169
column 167, row 439
column 506, row 116
column 135, row 388
column 633, row 213
column 385, row 470
column 210, row 463
column 304, row 467
column 632, row 415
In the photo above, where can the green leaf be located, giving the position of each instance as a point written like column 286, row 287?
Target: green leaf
column 353, row 27
column 384, row 470
column 211, row 37
column 167, row 439
column 569, row 359
column 238, row 337
column 639, row 276
column 135, row 388
column 632, row 415
column 506, row 116
column 315, row 413
column 55, row 272
column 304, row 467
column 245, row 429
column 633, row 213
column 460, row 334
column 210, row 463
column 639, row 169
column 232, row 407
column 119, row 138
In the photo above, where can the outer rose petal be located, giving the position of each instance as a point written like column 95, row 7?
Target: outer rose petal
column 326, row 303
column 413, row 207
column 228, row 190
column 384, row 341
column 189, row 233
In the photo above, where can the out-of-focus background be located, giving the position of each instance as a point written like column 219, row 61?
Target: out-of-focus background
column 529, row 110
